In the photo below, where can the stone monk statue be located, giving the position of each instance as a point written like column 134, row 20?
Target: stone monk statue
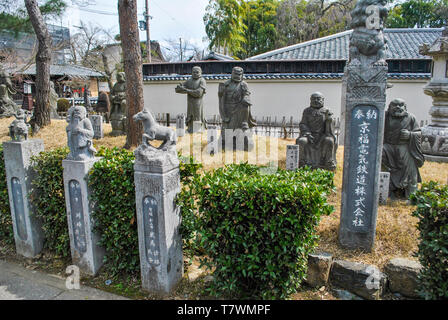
column 118, row 108
column 317, row 138
column 79, row 135
column 234, row 102
column 402, row 150
column 194, row 88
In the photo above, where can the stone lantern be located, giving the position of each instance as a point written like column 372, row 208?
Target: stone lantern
column 435, row 135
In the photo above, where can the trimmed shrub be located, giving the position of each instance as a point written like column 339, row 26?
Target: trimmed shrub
column 48, row 198
column 63, row 105
column 432, row 210
column 6, row 231
column 257, row 230
column 113, row 192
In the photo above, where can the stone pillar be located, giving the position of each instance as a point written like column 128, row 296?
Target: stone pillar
column 364, row 131
column 180, row 125
column 28, row 233
column 292, row 157
column 97, row 124
column 435, row 135
column 157, row 182
column 212, row 140
column 86, row 252
column 384, row 187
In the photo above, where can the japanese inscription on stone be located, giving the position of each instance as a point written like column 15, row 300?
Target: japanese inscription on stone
column 151, row 229
column 364, row 126
column 19, row 208
column 77, row 216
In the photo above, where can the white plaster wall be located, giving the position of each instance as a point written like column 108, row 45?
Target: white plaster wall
column 281, row 98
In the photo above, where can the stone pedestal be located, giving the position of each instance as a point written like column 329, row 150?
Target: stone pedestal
column 292, row 157
column 364, row 131
column 97, row 124
column 86, row 252
column 435, row 135
column 157, row 182
column 28, row 232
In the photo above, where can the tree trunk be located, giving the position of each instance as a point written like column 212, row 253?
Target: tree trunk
column 41, row 115
column 130, row 42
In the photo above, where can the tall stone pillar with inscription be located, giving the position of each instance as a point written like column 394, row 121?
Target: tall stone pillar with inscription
column 27, row 228
column 366, row 78
column 86, row 252
column 435, row 135
column 157, row 182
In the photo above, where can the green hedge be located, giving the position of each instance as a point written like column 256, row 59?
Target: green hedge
column 432, row 211
column 48, row 199
column 6, row 231
column 256, row 230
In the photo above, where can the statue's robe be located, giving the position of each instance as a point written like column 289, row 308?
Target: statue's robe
column 402, row 158
column 234, row 106
column 195, row 103
column 321, row 151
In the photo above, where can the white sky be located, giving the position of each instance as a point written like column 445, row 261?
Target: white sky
column 172, row 19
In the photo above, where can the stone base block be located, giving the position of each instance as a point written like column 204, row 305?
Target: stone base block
column 366, row 281
column 403, row 274
column 86, row 252
column 319, row 265
column 28, row 234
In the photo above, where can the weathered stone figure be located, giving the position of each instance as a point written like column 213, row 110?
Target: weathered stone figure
column 7, row 107
column 402, row 151
column 118, row 109
column 53, row 102
column 367, row 39
column 79, row 135
column 6, row 80
column 317, row 137
column 195, row 88
column 103, row 105
column 18, row 129
column 234, row 102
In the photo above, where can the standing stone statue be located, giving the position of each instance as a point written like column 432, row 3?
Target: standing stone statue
column 317, row 138
column 402, row 150
column 103, row 105
column 53, row 102
column 118, row 109
column 234, row 107
column 80, row 134
column 7, row 106
column 195, row 90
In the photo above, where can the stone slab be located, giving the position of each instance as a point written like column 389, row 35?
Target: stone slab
column 384, row 187
column 97, row 124
column 403, row 274
column 319, row 266
column 86, row 252
column 292, row 157
column 363, row 280
column 212, row 140
column 28, row 233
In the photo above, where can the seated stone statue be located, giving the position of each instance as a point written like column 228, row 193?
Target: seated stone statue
column 317, row 139
column 402, row 150
column 118, row 108
column 79, row 135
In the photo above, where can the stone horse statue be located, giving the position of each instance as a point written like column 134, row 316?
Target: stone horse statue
column 154, row 131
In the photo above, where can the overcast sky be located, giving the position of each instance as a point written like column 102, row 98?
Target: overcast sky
column 172, row 19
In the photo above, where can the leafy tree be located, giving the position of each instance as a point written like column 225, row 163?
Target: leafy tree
column 419, row 13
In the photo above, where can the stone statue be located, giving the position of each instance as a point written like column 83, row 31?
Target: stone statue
column 426, row 145
column 53, row 102
column 103, row 105
column 153, row 131
column 402, row 150
column 118, row 109
column 367, row 39
column 195, row 90
column 234, row 102
column 79, row 134
column 317, row 138
column 444, row 146
column 8, row 107
column 19, row 128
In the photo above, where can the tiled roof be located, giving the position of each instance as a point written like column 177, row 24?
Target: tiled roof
column 68, row 69
column 402, row 44
column 286, row 76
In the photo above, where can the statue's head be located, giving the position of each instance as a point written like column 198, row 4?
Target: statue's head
column 121, row 77
column 317, row 100
column 397, row 108
column 79, row 112
column 237, row 74
column 196, row 72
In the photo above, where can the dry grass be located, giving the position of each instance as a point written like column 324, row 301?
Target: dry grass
column 397, row 235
